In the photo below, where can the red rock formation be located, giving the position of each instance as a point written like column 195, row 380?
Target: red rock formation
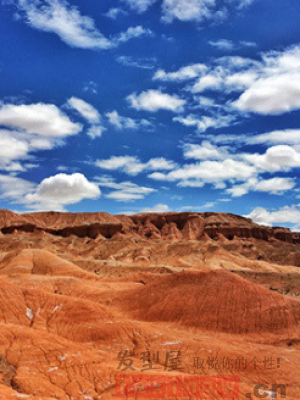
column 166, row 226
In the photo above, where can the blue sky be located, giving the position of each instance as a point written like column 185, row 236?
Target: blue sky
column 151, row 105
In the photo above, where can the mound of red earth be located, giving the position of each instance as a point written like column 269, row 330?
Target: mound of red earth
column 215, row 293
column 214, row 301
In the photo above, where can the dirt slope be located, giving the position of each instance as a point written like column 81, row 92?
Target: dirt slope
column 78, row 290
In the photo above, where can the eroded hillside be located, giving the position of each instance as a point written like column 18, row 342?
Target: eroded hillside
column 216, row 291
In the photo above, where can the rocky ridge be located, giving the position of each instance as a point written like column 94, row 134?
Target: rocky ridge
column 154, row 226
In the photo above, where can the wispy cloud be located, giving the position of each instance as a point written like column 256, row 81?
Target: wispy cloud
column 142, row 63
column 73, row 28
column 132, row 165
column 89, row 113
column 124, row 191
column 193, row 10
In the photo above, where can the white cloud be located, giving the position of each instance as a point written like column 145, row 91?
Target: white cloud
column 276, row 158
column 276, row 89
column 132, row 165
column 85, row 109
column 133, row 33
column 91, row 87
column 158, row 208
column 154, row 100
column 124, row 196
column 274, row 186
column 90, row 113
column 192, row 183
column 287, row 136
column 269, row 86
column 193, row 10
column 240, row 81
column 284, row 215
column 210, row 81
column 39, row 119
column 222, row 44
column 95, row 131
column 60, row 190
column 137, row 62
column 11, row 148
column 114, row 12
column 229, row 45
column 129, row 164
column 205, row 151
column 59, row 17
column 140, row 6
column 53, row 193
column 183, row 74
column 160, row 163
column 14, row 189
column 206, row 122
column 272, row 95
column 238, row 173
column 120, row 122
column 209, row 172
column 124, row 191
column 73, row 28
column 29, row 128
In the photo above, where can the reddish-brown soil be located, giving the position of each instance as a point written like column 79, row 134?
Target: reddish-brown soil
column 77, row 290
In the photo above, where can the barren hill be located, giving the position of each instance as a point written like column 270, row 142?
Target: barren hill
column 78, row 290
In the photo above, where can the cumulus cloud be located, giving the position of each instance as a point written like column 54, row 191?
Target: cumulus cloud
column 154, row 100
column 269, row 86
column 276, row 89
column 39, row 119
column 132, row 165
column 57, row 191
column 276, row 158
column 272, row 95
column 29, row 128
column 53, row 193
column 284, row 215
column 73, row 28
column 237, row 172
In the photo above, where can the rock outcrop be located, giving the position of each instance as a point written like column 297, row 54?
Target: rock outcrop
column 153, row 226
